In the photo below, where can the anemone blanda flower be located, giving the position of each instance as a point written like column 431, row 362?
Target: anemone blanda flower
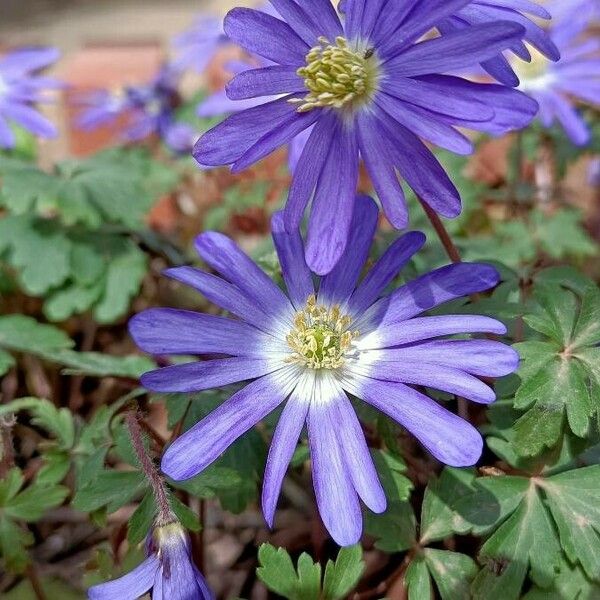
column 168, row 571
column 479, row 12
column 149, row 109
column 369, row 90
column 556, row 87
column 20, row 88
column 308, row 350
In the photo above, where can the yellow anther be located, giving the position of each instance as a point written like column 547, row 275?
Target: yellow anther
column 320, row 338
column 338, row 76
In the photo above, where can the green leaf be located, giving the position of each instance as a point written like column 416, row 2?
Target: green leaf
column 574, row 501
column 417, row 580
column 343, row 575
column 392, row 471
column 13, row 542
column 560, row 375
column 395, row 529
column 6, row 360
column 277, row 571
column 31, row 503
column 39, row 250
column 309, row 578
column 110, row 489
column 123, row 279
column 57, row 464
column 142, row 519
column 188, row 518
column 57, row 421
column 439, row 520
column 452, row 573
column 525, row 542
column 102, row 365
column 571, row 583
column 24, row 334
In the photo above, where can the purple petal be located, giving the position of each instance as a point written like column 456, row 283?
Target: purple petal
column 439, row 96
column 308, row 169
column 169, row 331
column 208, row 439
column 420, row 168
column 298, row 20
column 223, row 255
column 205, row 375
column 425, row 124
column 281, row 135
column 266, row 36
column 228, row 141
column 384, row 368
column 449, row 438
column 179, row 576
column 336, row 498
column 414, row 330
column 337, row 286
column 296, row 148
column 356, row 454
column 456, row 50
column 290, row 250
column 129, row 587
column 333, row 205
column 373, row 149
column 323, row 13
column 30, row 119
column 484, row 358
column 513, row 109
column 431, row 290
column 27, row 60
column 267, row 81
column 223, row 294
column 574, row 125
column 283, row 446
column 384, row 270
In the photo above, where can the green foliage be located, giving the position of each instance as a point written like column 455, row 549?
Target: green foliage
column 560, row 373
column 23, row 504
column 306, row 582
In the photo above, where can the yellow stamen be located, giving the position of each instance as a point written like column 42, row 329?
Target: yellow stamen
column 320, row 338
column 338, row 76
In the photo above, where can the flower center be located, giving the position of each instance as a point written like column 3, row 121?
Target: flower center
column 320, row 338
column 337, row 76
column 532, row 74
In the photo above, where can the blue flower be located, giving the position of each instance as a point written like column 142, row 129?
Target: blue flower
column 168, row 571
column 20, row 88
column 370, row 89
column 311, row 349
column 147, row 109
column 556, row 87
column 479, row 12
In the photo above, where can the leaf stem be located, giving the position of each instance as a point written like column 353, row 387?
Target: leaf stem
column 158, row 487
column 442, row 233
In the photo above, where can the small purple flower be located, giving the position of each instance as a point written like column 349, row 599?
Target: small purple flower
column 311, row 349
column 20, row 88
column 150, row 109
column 370, row 90
column 168, row 571
column 576, row 77
column 196, row 47
column 479, row 12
